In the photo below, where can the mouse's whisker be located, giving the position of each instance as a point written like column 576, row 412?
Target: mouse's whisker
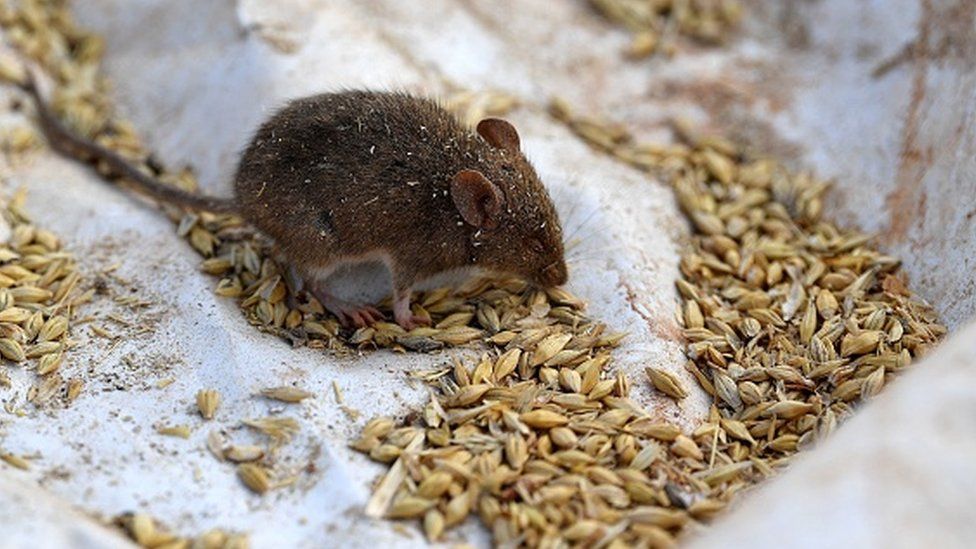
column 573, row 245
column 583, row 260
column 585, row 221
column 601, row 253
column 574, row 204
column 587, row 240
column 580, row 242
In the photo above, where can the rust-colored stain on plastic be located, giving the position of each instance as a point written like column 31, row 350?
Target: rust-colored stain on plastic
column 943, row 33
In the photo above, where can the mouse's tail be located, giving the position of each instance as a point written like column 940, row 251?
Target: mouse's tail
column 62, row 139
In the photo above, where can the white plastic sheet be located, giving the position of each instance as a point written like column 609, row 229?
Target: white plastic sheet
column 196, row 77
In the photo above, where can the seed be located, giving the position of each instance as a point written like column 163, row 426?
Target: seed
column 873, row 383
column 693, row 315
column 826, row 304
column 724, row 473
column 506, row 364
column 516, row 451
column 43, row 349
column 434, row 485
column 645, row 457
column 685, row 447
column 660, row 431
column 727, row 390
column 457, row 509
column 458, row 335
column 203, row 241
column 30, row 294
column 642, row 45
column 254, row 477
column 216, row 265
column 548, row 347
column 11, row 350
column 49, row 363
column 409, row 507
column 215, row 443
column 378, row 427
column 720, row 166
column 207, row 402
column 570, row 380
column 543, row 419
column 286, row 394
column 737, row 429
column 456, row 319
column 601, row 389
column 242, row 454
column 865, row 342
column 809, row 324
column 53, row 328
column 655, row 536
column 784, row 443
column 15, row 461
column 848, row 390
column 365, row 444
column 433, row 525
column 705, row 508
column 385, row 453
column 657, row 516
column 74, row 389
column 666, row 382
column 572, row 458
column 468, row 395
column 788, row 409
column 181, row 431
column 708, row 223
column 583, row 530
column 563, row 437
column 142, row 528
column 14, row 315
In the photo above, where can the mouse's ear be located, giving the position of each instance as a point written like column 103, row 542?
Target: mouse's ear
column 478, row 200
column 499, row 134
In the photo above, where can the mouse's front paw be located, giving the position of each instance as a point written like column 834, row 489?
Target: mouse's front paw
column 349, row 314
column 359, row 316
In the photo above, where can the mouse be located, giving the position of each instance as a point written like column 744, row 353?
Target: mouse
column 354, row 176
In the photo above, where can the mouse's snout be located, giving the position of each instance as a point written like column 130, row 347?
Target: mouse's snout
column 554, row 274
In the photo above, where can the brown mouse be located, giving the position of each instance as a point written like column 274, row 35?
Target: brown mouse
column 360, row 175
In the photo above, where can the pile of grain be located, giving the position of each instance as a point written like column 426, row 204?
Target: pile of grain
column 789, row 321
column 40, row 290
column 656, row 23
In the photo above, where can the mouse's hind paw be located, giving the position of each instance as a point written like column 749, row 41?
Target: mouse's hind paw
column 404, row 316
column 412, row 321
column 349, row 314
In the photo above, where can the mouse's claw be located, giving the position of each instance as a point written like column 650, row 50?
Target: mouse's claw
column 404, row 316
column 414, row 321
column 373, row 312
column 357, row 315
column 362, row 316
column 349, row 314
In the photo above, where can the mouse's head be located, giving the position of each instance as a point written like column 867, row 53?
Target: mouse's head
column 515, row 226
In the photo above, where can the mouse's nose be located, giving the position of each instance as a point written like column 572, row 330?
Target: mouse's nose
column 554, row 274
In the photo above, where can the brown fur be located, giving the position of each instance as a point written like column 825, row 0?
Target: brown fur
column 340, row 176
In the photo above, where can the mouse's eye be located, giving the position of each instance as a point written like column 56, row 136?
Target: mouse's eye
column 536, row 245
